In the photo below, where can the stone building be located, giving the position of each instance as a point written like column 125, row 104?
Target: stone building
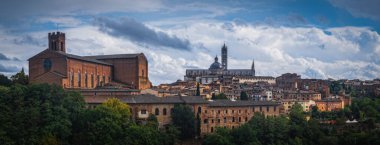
column 55, row 66
column 217, row 113
column 330, row 104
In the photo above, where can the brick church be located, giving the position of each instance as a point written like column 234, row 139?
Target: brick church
column 55, row 66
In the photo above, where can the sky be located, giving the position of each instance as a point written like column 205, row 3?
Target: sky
column 321, row 39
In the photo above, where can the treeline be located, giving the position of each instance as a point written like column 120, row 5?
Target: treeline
column 295, row 129
column 48, row 115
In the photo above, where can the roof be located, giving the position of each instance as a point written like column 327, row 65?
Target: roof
column 240, row 103
column 82, row 58
column 114, row 56
column 151, row 99
column 72, row 56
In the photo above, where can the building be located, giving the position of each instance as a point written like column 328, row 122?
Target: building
column 55, row 66
column 213, row 114
column 218, row 71
column 288, row 81
column 287, row 104
column 330, row 104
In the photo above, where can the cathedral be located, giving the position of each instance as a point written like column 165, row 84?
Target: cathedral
column 55, row 66
column 217, row 71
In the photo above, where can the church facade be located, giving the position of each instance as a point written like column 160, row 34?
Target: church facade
column 218, row 71
column 55, row 66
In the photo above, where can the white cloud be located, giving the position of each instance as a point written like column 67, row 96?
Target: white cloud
column 311, row 52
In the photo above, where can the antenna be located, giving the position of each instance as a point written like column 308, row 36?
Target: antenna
column 57, row 27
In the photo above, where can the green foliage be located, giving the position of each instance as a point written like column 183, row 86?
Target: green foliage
column 183, row 119
column 152, row 121
column 220, row 96
column 198, row 93
column 243, row 96
column 36, row 114
column 4, row 81
column 20, row 78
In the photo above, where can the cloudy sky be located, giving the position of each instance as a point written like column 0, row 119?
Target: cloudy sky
column 315, row 38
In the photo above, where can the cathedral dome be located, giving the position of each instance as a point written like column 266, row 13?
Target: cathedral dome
column 216, row 64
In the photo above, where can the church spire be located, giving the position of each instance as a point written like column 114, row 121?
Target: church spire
column 253, row 68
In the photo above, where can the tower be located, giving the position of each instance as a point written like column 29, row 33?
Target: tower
column 57, row 41
column 253, row 68
column 224, row 56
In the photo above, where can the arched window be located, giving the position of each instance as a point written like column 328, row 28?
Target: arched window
column 79, row 79
column 164, row 111
column 92, row 80
column 199, row 109
column 157, row 111
column 85, row 80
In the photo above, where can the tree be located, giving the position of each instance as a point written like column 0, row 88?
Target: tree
column 152, row 121
column 213, row 96
column 220, row 96
column 106, row 124
column 198, row 93
column 4, row 81
column 20, row 78
column 36, row 114
column 216, row 139
column 243, row 96
column 183, row 118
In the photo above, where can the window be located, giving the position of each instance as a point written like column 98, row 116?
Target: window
column 85, row 80
column 275, row 108
column 218, row 120
column 261, row 108
column 253, row 109
column 98, row 80
column 79, row 79
column 218, row 111
column 71, row 79
column 267, row 108
column 239, row 119
column 205, row 121
column 109, row 78
column 246, row 119
column 104, row 79
column 233, row 119
column 142, row 73
column 212, row 129
column 143, row 111
column 239, row 111
column 225, row 120
column 157, row 111
column 233, row 111
column 92, row 80
column 226, row 111
column 164, row 111
column 200, row 109
column 212, row 120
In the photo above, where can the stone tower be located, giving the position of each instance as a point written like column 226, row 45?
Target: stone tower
column 224, row 57
column 57, row 41
column 253, row 68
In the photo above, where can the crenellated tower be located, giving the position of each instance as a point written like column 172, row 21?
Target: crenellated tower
column 57, row 41
column 224, row 56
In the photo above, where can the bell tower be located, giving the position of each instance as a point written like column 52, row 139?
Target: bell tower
column 224, row 56
column 57, row 41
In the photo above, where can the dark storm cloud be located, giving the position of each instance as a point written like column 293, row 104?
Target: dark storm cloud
column 360, row 8
column 140, row 33
column 4, row 57
column 8, row 69
column 27, row 39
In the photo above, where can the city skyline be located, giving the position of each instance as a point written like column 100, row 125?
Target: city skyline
column 316, row 39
